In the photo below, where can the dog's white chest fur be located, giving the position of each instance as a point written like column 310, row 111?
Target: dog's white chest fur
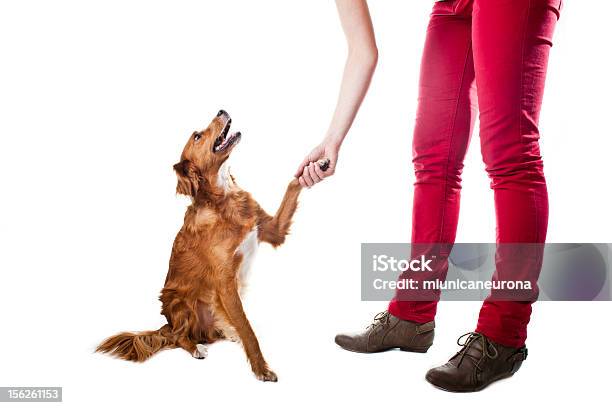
column 247, row 249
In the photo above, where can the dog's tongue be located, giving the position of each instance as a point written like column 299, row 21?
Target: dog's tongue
column 228, row 139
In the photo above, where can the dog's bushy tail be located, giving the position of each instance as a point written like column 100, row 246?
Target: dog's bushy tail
column 137, row 346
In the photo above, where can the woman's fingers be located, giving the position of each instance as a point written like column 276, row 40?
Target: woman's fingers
column 310, row 172
column 307, row 179
column 300, row 169
column 314, row 155
column 313, row 173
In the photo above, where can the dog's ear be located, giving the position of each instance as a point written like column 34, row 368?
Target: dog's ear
column 188, row 178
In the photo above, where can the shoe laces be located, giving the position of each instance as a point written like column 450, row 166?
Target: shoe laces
column 380, row 320
column 468, row 340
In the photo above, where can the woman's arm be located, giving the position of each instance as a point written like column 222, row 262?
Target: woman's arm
column 360, row 65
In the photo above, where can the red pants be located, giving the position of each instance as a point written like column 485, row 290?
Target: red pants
column 489, row 56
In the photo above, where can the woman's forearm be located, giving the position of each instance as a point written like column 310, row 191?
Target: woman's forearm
column 359, row 68
column 358, row 72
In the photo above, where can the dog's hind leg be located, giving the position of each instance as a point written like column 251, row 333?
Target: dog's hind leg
column 185, row 329
column 190, row 340
column 196, row 350
column 201, row 351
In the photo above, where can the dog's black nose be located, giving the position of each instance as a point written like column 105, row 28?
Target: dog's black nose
column 221, row 112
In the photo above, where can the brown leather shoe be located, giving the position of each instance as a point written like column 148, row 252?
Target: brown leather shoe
column 388, row 332
column 479, row 363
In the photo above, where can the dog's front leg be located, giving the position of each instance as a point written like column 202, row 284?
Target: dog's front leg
column 232, row 306
column 273, row 230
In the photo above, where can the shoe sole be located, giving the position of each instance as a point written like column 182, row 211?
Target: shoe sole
column 405, row 349
column 415, row 349
column 464, row 390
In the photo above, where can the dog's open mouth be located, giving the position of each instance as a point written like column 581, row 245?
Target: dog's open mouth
column 225, row 141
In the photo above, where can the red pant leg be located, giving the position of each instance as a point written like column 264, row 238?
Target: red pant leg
column 512, row 39
column 444, row 123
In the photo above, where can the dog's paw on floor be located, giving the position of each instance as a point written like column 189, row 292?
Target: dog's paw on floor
column 267, row 375
column 200, row 352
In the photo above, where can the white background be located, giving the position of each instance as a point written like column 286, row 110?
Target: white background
column 97, row 100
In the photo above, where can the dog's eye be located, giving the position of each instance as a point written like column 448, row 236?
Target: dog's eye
column 197, row 136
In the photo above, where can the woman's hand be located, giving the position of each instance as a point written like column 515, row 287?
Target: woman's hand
column 358, row 70
column 309, row 172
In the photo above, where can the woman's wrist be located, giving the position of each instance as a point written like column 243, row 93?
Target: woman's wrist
column 332, row 139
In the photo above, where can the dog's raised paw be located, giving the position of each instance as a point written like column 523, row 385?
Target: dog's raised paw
column 201, row 351
column 267, row 375
column 323, row 164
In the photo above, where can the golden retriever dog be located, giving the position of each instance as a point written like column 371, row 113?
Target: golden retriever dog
column 211, row 256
